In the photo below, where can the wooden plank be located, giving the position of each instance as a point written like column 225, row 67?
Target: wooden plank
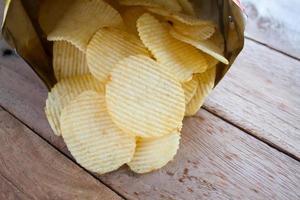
column 23, row 94
column 261, row 94
column 40, row 171
column 10, row 192
column 215, row 161
column 274, row 24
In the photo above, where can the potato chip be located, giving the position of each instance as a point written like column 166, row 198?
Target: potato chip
column 187, row 7
column 51, row 11
column 172, row 5
column 212, row 62
column 107, row 47
column 68, row 60
column 207, row 46
column 199, row 32
column 179, row 58
column 82, row 20
column 206, row 84
column 130, row 15
column 63, row 92
column 92, row 138
column 177, row 16
column 152, row 154
column 190, row 89
column 144, row 100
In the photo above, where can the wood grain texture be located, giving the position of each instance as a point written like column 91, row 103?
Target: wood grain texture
column 216, row 160
column 38, row 170
column 274, row 23
column 261, row 94
column 10, row 192
column 24, row 94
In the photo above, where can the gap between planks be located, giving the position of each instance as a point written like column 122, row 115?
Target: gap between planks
column 197, row 117
column 59, row 150
column 29, row 149
column 272, row 48
column 274, row 24
column 11, row 190
column 121, row 179
column 260, row 94
column 264, row 140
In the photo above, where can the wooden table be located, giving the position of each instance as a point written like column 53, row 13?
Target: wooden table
column 243, row 144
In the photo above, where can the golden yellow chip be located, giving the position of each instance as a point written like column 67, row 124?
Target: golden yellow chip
column 92, row 138
column 144, row 100
column 51, row 11
column 187, row 7
column 210, row 46
column 199, row 32
column 181, row 59
column 68, row 60
column 82, row 20
column 172, row 5
column 107, row 47
column 190, row 89
column 206, row 84
column 152, row 154
column 130, row 15
column 212, row 62
column 177, row 16
column 63, row 92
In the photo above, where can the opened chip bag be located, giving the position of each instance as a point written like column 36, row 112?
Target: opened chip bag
column 123, row 74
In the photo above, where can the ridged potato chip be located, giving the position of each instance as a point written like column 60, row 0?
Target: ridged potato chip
column 181, row 59
column 212, row 62
column 199, row 32
column 187, row 7
column 206, row 84
column 172, row 5
column 177, row 16
column 51, row 11
column 92, row 138
column 68, row 60
column 152, row 154
column 107, row 47
column 63, row 92
column 190, row 89
column 130, row 16
column 207, row 46
column 143, row 99
column 128, row 72
column 82, row 20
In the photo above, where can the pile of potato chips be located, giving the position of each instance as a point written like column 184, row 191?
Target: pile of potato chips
column 128, row 72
